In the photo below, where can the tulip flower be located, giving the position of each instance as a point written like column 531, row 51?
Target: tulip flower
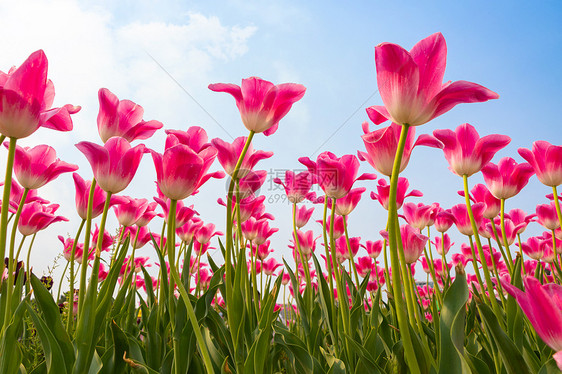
column 533, row 247
column 148, row 214
column 381, row 146
column 335, row 175
column 82, row 195
column 35, row 167
column 307, row 242
column 481, row 194
column 364, row 266
column 345, row 252
column 261, row 251
column 462, row 220
column 507, row 178
column 442, row 245
column 128, row 213
column 114, row 164
column 412, row 241
column 186, row 232
column 420, row 216
column 542, row 304
column 411, row 83
column 444, row 219
column 122, row 118
column 520, row 219
column 36, row 217
column 383, row 190
column 140, row 235
column 67, row 249
column 16, row 194
column 261, row 103
column 26, row 96
column 465, row 151
column 107, row 240
column 229, row 153
column 374, row 248
column 546, row 160
column 206, row 232
column 270, row 265
column 347, row 204
column 180, row 171
column 183, row 213
column 338, row 225
column 547, row 217
column 303, row 215
column 296, row 186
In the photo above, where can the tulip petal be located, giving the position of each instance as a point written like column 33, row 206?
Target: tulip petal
column 460, row 92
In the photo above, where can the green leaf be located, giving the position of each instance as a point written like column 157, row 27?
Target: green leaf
column 451, row 328
column 113, row 359
column 10, row 352
column 53, row 321
column 54, row 357
column 512, row 358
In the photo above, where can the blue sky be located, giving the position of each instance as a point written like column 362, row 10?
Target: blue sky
column 152, row 52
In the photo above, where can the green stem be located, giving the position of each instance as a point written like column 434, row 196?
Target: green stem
column 557, row 204
column 504, row 237
column 27, row 266
column 393, row 234
column 183, row 293
column 489, row 284
column 85, row 253
column 6, row 203
column 70, row 298
column 349, row 251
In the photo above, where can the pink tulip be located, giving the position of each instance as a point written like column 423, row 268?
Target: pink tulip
column 533, row 247
column 286, row 278
column 67, row 249
column 270, row 265
column 307, row 241
column 411, row 83
column 16, row 194
column 444, row 219
column 35, row 167
column 36, row 217
column 465, row 151
column 462, row 220
column 148, row 214
column 186, row 232
column 343, row 252
column 481, row 194
column 107, row 240
column 122, row 118
column 440, row 268
column 412, row 241
column 374, row 248
column 381, row 146
column 249, row 206
column 26, row 94
column 264, row 232
column 206, row 232
column 262, row 251
column 507, row 178
column 546, row 160
column 201, row 248
column 383, row 191
column 139, row 240
column 303, row 216
column 82, row 195
column 229, row 153
column 261, row 103
column 128, row 213
column 542, row 304
column 520, row 219
column 547, row 217
column 442, row 245
column 180, row 171
column 114, row 164
column 420, row 216
column 335, row 175
column 459, row 258
column 338, row 226
column 364, row 266
column 347, row 204
column 296, row 185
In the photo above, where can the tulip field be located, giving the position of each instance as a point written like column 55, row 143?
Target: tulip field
column 491, row 305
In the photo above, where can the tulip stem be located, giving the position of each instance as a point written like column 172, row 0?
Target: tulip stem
column 393, row 236
column 351, row 260
column 183, row 293
column 489, row 284
column 5, row 212
column 70, row 298
column 557, row 205
column 302, row 257
column 86, row 251
column 504, row 237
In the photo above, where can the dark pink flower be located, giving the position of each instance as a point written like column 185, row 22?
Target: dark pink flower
column 261, row 103
column 36, row 217
column 444, row 219
column 122, row 118
column 82, row 195
column 229, row 153
column 374, row 248
column 303, row 216
column 26, row 96
column 296, row 185
column 546, row 160
column 412, row 241
column 347, row 204
column 186, row 232
column 462, row 220
column 481, row 194
column 507, row 178
column 129, row 212
column 420, row 216
column 37, row 166
column 383, row 191
column 204, row 234
column 114, row 164
column 465, row 151
column 307, row 242
column 381, row 146
column 533, row 247
column 442, row 245
column 411, row 83
column 547, row 217
column 520, row 219
column 270, row 265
